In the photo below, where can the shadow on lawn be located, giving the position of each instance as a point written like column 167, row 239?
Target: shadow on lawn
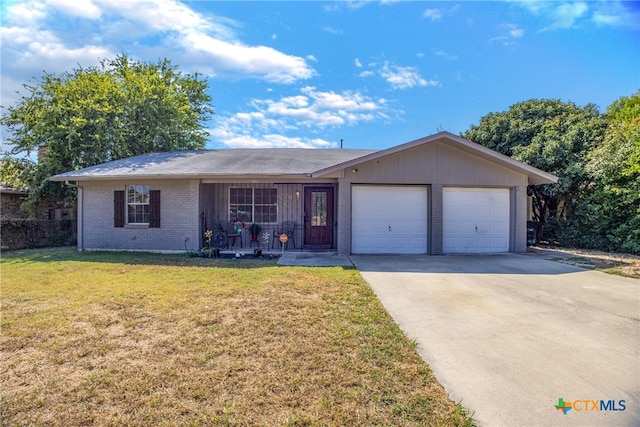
column 69, row 254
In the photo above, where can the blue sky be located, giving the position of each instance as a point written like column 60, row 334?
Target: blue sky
column 373, row 73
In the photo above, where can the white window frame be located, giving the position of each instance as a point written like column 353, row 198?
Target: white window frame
column 253, row 204
column 144, row 200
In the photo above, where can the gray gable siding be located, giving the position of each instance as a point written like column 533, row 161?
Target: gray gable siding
column 434, row 163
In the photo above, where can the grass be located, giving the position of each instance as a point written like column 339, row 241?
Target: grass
column 144, row 339
column 625, row 265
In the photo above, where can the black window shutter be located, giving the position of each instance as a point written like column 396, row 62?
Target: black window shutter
column 154, row 209
column 118, row 208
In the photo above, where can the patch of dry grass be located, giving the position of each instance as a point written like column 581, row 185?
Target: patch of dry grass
column 141, row 339
column 626, row 265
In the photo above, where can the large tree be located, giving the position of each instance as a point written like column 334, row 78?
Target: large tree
column 92, row 115
column 612, row 214
column 552, row 135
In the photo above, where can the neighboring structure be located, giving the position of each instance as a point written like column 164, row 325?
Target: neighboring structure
column 439, row 194
column 11, row 207
column 11, row 201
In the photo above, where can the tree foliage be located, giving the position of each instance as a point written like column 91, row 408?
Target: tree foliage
column 15, row 173
column 612, row 212
column 97, row 114
column 596, row 202
column 551, row 135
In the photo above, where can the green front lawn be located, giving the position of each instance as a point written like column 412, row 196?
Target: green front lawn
column 144, row 339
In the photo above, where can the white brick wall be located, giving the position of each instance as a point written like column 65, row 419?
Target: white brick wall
column 179, row 217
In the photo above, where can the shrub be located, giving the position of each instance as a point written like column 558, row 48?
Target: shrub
column 36, row 233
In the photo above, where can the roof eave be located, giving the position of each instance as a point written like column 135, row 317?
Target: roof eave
column 64, row 178
column 8, row 190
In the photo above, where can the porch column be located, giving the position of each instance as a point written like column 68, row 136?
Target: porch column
column 343, row 239
column 519, row 219
column 435, row 248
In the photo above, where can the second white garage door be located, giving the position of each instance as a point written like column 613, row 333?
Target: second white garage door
column 475, row 220
column 388, row 219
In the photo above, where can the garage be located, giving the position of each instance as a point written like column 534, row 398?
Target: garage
column 475, row 220
column 389, row 219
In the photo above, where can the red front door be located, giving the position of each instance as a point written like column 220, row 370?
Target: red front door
column 318, row 217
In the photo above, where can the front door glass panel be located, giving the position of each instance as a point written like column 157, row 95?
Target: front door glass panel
column 319, row 208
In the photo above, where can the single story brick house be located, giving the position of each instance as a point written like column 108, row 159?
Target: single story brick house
column 435, row 195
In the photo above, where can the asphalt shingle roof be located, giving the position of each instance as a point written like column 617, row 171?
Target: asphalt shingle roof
column 269, row 161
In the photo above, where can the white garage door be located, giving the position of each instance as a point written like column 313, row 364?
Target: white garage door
column 388, row 219
column 475, row 220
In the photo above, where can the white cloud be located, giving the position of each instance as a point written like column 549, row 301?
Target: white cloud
column 166, row 15
column 269, row 120
column 397, row 76
column 617, row 14
column 331, row 30
column 356, row 4
column 215, row 37
column 509, row 33
column 358, row 63
column 404, row 77
column 445, row 55
column 270, row 141
column 605, row 19
column 56, row 35
column 252, row 61
column 25, row 14
column 79, row 8
column 566, row 15
column 433, row 14
column 45, row 48
column 516, row 33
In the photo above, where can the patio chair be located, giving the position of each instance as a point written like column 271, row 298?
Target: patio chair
column 232, row 235
column 288, row 228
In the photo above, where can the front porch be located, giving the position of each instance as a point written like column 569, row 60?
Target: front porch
column 244, row 216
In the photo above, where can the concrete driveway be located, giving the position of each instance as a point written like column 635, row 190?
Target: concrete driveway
column 509, row 335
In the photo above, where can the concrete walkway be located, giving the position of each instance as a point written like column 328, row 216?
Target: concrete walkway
column 509, row 335
column 315, row 259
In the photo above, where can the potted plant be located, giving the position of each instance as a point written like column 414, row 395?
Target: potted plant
column 254, row 229
column 208, row 250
